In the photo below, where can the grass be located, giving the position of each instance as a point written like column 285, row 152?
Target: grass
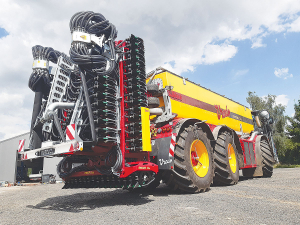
column 286, row 166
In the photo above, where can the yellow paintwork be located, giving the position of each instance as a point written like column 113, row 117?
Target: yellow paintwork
column 194, row 91
column 199, row 153
column 146, row 137
column 231, row 158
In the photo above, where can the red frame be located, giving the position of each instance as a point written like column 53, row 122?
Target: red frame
column 122, row 109
column 130, row 167
column 242, row 142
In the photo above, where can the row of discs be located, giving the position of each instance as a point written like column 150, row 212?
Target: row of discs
column 134, row 91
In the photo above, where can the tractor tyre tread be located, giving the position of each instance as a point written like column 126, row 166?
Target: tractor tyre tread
column 153, row 102
column 267, row 161
column 182, row 177
column 223, row 173
column 152, row 89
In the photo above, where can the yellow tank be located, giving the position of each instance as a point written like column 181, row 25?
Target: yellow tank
column 190, row 100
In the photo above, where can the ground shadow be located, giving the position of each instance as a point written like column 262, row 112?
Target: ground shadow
column 91, row 200
column 241, row 179
column 162, row 190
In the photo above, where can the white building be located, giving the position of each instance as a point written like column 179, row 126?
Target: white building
column 10, row 165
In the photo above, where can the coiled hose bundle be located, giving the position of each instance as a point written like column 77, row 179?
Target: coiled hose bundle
column 95, row 54
column 40, row 80
column 40, row 83
column 98, row 64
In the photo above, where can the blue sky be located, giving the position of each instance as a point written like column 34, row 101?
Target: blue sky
column 3, row 32
column 252, row 69
column 228, row 46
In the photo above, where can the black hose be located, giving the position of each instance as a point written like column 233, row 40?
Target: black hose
column 40, row 78
column 89, row 108
column 93, row 59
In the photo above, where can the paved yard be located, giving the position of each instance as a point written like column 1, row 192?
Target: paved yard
column 273, row 200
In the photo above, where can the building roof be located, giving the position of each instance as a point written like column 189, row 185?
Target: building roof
column 14, row 137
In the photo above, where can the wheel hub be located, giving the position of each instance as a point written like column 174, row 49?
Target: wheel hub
column 231, row 158
column 199, row 158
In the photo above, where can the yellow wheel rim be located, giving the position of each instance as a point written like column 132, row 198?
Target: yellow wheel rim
column 199, row 158
column 232, row 158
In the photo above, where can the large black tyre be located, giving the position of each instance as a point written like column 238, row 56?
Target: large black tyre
column 153, row 102
column 152, row 88
column 226, row 160
column 267, row 158
column 265, row 161
column 184, row 176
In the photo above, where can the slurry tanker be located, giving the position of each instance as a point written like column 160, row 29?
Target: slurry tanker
column 116, row 126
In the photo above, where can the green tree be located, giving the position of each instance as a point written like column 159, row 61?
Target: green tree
column 268, row 103
column 293, row 132
column 277, row 113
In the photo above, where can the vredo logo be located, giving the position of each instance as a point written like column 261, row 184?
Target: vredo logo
column 222, row 112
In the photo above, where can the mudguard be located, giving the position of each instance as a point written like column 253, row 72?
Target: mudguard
column 258, row 154
column 163, row 148
column 160, row 149
column 191, row 121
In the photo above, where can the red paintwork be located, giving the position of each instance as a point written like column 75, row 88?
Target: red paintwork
column 169, row 129
column 222, row 112
column 122, row 119
column 139, row 166
column 242, row 142
column 83, row 174
column 131, row 168
column 193, row 156
column 247, row 141
column 249, row 166
column 211, row 126
column 169, row 133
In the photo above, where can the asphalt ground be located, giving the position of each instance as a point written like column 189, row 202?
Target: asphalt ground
column 273, row 200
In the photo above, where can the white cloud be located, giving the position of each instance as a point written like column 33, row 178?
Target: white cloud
column 282, row 99
column 14, row 115
column 295, row 25
column 241, row 72
column 257, row 43
column 237, row 74
column 200, row 32
column 282, row 73
column 218, row 53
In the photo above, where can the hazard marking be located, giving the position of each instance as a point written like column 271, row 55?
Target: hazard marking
column 172, row 145
column 70, row 132
column 24, row 156
column 71, row 148
column 21, row 145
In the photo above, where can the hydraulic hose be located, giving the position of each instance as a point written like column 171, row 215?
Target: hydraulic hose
column 89, row 108
column 40, row 78
column 96, row 57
